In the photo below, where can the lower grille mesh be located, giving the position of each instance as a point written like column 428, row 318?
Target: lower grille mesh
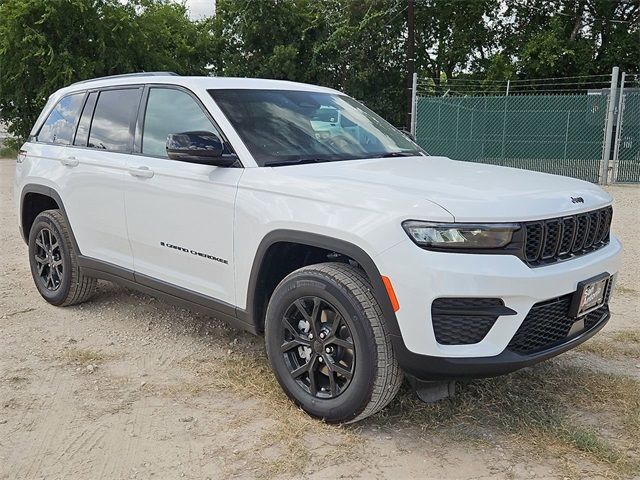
column 548, row 324
column 455, row 322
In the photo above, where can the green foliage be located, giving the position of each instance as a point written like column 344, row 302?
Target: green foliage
column 357, row 46
column 45, row 45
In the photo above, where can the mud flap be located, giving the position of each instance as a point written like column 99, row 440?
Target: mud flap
column 432, row 392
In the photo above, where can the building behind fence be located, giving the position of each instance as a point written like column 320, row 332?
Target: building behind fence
column 587, row 128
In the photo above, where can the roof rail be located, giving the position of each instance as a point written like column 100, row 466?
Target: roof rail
column 125, row 75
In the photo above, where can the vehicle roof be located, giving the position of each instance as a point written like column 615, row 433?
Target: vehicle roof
column 195, row 83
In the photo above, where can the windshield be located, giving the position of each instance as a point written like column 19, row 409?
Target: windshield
column 282, row 127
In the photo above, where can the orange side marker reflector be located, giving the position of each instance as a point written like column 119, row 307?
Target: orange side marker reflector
column 391, row 293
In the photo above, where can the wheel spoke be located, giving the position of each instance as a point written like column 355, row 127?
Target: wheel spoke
column 58, row 270
column 286, row 346
column 313, row 386
column 300, row 306
column 40, row 240
column 41, row 268
column 337, row 319
column 339, row 369
column 332, row 384
column 316, row 312
column 295, row 333
column 303, row 368
column 57, row 262
column 40, row 259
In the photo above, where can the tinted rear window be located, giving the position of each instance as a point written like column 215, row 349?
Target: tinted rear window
column 61, row 122
column 113, row 120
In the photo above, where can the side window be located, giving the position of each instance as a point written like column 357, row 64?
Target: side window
column 113, row 119
column 170, row 111
column 60, row 125
column 82, row 134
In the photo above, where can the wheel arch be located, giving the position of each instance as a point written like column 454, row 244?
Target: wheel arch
column 256, row 293
column 34, row 199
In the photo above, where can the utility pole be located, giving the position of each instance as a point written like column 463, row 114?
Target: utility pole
column 411, row 67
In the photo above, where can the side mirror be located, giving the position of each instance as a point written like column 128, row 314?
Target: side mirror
column 198, row 147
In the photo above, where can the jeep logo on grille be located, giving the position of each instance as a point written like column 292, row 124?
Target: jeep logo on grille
column 577, row 200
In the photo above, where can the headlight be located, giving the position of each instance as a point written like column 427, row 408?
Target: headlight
column 460, row 235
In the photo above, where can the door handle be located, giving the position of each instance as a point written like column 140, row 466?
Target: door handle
column 70, row 161
column 142, row 172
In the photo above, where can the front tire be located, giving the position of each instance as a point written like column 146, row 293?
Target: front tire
column 327, row 343
column 54, row 262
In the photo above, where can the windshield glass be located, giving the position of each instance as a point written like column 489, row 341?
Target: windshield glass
column 282, row 127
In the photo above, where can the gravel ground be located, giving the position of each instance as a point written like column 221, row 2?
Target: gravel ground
column 127, row 386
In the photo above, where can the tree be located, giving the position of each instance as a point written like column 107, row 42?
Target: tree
column 571, row 37
column 46, row 45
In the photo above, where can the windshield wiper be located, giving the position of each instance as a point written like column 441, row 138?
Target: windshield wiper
column 299, row 161
column 397, row 154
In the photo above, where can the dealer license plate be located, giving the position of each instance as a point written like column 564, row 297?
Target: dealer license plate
column 590, row 295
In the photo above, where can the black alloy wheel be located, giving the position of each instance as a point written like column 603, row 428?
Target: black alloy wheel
column 53, row 258
column 48, row 258
column 317, row 346
column 326, row 340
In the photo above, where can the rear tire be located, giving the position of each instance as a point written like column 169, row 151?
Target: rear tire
column 54, row 262
column 327, row 343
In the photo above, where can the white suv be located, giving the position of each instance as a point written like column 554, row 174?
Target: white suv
column 293, row 210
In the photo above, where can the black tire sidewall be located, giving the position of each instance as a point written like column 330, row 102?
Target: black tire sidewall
column 355, row 398
column 58, row 296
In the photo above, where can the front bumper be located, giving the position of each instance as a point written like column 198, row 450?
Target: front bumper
column 426, row 367
column 421, row 276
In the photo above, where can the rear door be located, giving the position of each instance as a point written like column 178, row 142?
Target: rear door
column 179, row 215
column 97, row 164
column 83, row 145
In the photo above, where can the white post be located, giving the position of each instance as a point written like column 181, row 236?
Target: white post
column 508, row 85
column 611, row 109
column 616, row 145
column 414, row 104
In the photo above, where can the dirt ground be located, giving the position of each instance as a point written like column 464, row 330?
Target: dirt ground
column 127, row 386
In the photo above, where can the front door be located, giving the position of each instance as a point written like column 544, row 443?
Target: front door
column 179, row 215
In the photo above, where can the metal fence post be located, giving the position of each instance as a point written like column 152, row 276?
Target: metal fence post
column 611, row 108
column 414, row 103
column 616, row 145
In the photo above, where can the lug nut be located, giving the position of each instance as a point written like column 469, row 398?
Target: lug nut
column 320, row 359
column 311, row 336
column 322, row 335
column 328, row 349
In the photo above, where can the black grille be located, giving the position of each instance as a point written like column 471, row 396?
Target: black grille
column 559, row 238
column 463, row 321
column 548, row 324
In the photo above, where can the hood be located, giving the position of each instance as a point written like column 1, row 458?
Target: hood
column 470, row 192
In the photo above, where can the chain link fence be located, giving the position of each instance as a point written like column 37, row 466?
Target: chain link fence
column 628, row 161
column 554, row 129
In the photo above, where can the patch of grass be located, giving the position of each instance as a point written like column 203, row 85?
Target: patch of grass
column 629, row 336
column 83, row 356
column 535, row 408
column 625, row 290
column 619, row 345
column 251, row 376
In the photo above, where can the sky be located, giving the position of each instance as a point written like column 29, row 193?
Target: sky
column 200, row 8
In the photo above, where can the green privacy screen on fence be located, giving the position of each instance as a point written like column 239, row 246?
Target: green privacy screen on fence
column 560, row 134
column 629, row 140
